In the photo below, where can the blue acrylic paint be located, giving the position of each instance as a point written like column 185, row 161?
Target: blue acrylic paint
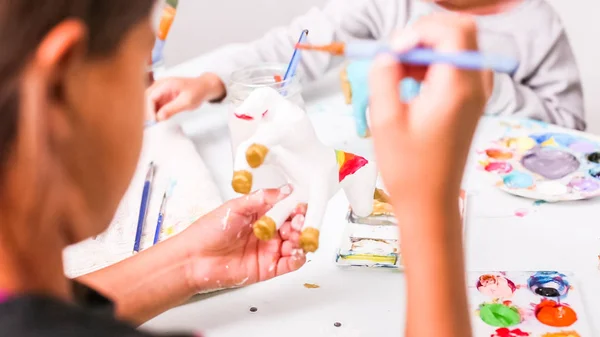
column 358, row 77
column 595, row 172
column 409, row 89
column 561, row 139
column 532, row 123
column 518, row 179
column 549, row 284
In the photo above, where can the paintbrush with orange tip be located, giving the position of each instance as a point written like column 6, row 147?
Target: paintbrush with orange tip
column 368, row 49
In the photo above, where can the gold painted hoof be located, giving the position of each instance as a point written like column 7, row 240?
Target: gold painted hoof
column 309, row 239
column 381, row 196
column 256, row 154
column 264, row 228
column 242, row 182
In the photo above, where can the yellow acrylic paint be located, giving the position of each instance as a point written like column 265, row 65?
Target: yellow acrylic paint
column 522, row 144
column 550, row 142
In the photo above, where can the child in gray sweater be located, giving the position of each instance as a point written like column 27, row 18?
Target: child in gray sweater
column 546, row 86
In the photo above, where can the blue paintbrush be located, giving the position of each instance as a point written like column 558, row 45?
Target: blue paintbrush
column 161, row 217
column 161, row 212
column 472, row 60
column 144, row 207
column 293, row 66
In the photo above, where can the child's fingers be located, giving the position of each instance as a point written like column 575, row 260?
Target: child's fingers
column 300, row 209
column 452, row 33
column 180, row 103
column 259, row 202
column 290, row 263
column 387, row 111
column 285, row 230
column 297, row 222
column 448, row 33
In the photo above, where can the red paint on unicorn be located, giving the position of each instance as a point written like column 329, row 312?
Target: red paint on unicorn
column 244, row 117
column 248, row 117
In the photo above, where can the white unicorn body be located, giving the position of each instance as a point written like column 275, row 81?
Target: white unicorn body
column 285, row 138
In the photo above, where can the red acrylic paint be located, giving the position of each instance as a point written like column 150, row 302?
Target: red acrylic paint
column 506, row 332
column 244, row 117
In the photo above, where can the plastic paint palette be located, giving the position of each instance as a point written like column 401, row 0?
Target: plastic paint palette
column 545, row 166
column 535, row 304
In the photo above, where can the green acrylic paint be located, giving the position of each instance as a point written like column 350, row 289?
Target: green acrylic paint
column 499, row 315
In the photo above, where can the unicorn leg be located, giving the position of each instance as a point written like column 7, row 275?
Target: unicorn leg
column 357, row 74
column 266, row 227
column 262, row 142
column 242, row 172
column 317, row 205
column 360, row 190
column 249, row 156
column 359, row 107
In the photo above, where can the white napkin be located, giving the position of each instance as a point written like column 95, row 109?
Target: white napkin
column 194, row 195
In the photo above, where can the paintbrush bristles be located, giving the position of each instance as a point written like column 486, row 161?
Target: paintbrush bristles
column 336, row 48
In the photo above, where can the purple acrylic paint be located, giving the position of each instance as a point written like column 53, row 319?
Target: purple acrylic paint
column 582, row 184
column 550, row 163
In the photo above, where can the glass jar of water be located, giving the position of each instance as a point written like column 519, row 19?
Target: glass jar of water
column 241, row 84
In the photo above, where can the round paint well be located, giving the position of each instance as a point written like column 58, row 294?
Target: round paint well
column 595, row 172
column 499, row 315
column 506, row 332
column 540, row 138
column 496, row 286
column 562, row 334
column 594, row 157
column 554, row 139
column 548, row 284
column 550, row 163
column 583, row 146
column 554, row 314
column 552, row 188
column 518, row 180
column 498, row 154
column 584, row 185
column 521, row 144
column 499, row 167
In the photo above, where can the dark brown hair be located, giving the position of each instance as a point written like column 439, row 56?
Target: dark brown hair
column 23, row 25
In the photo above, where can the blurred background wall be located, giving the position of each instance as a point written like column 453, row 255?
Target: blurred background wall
column 203, row 25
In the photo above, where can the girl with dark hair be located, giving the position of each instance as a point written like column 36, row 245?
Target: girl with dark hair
column 72, row 79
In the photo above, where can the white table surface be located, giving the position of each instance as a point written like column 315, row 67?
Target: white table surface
column 367, row 302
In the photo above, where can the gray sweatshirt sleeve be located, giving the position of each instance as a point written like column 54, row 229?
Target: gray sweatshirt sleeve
column 339, row 20
column 550, row 90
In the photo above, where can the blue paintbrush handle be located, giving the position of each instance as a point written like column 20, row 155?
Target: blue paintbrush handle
column 472, row 60
column 142, row 216
column 293, row 65
column 158, row 228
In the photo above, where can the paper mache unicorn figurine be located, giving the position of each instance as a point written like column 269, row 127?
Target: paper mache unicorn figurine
column 354, row 81
column 285, row 138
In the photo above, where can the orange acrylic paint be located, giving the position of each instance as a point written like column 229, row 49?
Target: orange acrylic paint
column 498, row 154
column 554, row 314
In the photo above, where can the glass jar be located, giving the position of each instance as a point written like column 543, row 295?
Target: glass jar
column 241, row 84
